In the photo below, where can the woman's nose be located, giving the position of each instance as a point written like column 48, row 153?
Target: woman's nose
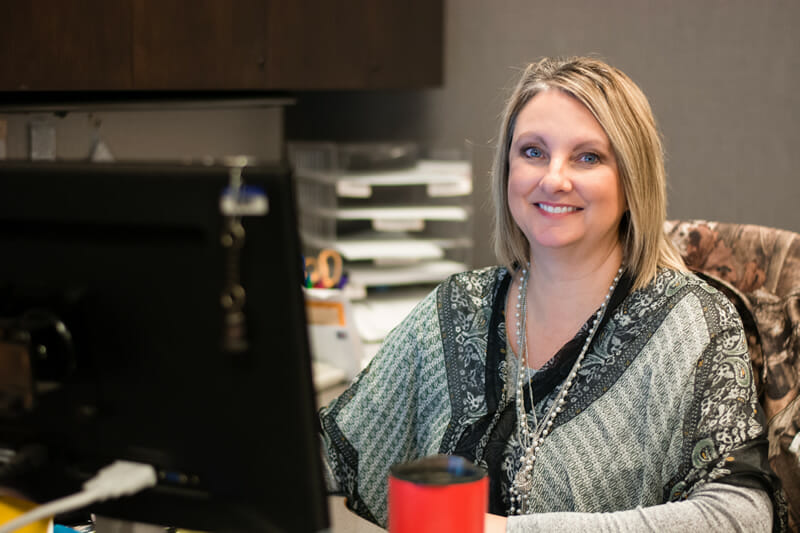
column 556, row 177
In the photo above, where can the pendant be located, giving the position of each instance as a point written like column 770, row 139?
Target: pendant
column 523, row 481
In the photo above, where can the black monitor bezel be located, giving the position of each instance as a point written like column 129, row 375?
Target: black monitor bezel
column 262, row 427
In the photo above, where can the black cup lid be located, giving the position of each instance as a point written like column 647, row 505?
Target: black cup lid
column 438, row 470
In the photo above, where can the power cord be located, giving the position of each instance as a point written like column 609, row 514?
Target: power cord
column 121, row 478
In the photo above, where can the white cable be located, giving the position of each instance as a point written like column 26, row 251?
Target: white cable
column 120, row 478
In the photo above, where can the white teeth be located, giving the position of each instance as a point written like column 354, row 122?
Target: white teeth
column 557, row 209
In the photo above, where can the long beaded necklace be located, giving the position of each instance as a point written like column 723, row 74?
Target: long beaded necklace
column 532, row 440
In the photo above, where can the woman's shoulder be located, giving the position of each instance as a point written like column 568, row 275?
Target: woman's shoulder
column 462, row 291
column 481, row 283
column 674, row 288
column 674, row 282
column 480, row 275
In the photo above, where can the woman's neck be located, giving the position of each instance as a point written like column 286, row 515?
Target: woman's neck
column 561, row 297
column 569, row 286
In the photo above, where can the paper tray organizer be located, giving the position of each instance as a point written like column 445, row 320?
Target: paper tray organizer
column 396, row 220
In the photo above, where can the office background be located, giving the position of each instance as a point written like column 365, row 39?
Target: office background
column 721, row 75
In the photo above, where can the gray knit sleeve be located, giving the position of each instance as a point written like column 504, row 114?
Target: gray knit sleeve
column 711, row 507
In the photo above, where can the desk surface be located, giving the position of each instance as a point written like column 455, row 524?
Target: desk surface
column 342, row 521
column 345, row 521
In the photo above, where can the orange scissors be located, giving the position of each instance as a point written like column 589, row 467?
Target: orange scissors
column 324, row 270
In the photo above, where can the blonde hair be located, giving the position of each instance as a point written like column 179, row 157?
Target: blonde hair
column 622, row 110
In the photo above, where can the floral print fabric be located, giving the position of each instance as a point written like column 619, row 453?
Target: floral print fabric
column 758, row 269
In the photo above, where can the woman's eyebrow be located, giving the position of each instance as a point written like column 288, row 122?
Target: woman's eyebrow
column 594, row 144
column 528, row 137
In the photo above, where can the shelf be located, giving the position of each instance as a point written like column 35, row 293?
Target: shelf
column 132, row 101
column 380, row 246
column 442, row 178
column 400, row 250
column 401, row 224
column 410, row 213
column 410, row 274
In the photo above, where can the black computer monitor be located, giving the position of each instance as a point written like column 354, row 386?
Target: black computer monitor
column 154, row 313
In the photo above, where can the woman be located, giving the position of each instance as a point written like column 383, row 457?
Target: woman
column 593, row 377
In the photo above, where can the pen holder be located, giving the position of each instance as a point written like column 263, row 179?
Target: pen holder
column 441, row 494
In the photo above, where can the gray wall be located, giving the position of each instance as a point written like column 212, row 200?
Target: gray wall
column 155, row 134
column 722, row 77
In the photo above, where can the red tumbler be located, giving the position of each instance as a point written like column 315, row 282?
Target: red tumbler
column 437, row 494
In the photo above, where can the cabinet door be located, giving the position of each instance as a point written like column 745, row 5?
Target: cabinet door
column 405, row 43
column 354, row 44
column 109, row 45
column 65, row 45
column 198, row 44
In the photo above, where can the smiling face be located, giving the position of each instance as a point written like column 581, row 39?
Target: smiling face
column 564, row 190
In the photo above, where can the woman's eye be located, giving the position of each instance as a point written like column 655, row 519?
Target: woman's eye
column 532, row 152
column 589, row 158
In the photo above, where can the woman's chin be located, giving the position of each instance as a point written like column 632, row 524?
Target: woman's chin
column 554, row 241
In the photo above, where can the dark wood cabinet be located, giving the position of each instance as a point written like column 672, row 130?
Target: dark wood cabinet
column 199, row 44
column 50, row 45
column 354, row 44
column 219, row 45
column 405, row 43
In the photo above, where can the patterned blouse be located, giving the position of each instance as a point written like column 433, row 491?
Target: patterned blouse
column 664, row 401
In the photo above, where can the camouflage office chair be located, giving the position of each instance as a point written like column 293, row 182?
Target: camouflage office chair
column 758, row 268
